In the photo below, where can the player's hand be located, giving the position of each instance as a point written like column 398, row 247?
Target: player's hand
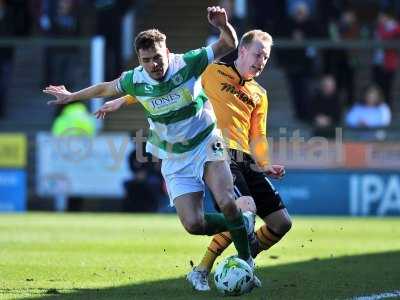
column 275, row 171
column 108, row 107
column 63, row 96
column 217, row 16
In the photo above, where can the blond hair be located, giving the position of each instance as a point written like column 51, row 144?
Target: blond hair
column 253, row 35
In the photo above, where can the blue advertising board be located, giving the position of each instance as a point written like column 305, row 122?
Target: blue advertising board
column 12, row 190
column 344, row 192
column 338, row 192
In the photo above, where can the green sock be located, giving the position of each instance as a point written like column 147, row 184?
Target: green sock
column 215, row 223
column 239, row 236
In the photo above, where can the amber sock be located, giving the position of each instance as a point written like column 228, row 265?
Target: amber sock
column 219, row 243
column 266, row 237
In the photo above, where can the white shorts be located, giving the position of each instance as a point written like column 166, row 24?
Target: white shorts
column 185, row 174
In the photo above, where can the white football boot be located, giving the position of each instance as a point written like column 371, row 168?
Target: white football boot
column 198, row 279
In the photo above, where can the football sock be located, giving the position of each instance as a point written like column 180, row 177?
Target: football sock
column 215, row 223
column 239, row 236
column 266, row 237
column 218, row 244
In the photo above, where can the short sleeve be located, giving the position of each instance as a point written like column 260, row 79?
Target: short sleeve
column 199, row 59
column 259, row 117
column 125, row 83
column 258, row 132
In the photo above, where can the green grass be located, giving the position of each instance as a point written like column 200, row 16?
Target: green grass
column 121, row 256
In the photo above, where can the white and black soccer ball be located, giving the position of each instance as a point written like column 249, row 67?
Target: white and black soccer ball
column 233, row 276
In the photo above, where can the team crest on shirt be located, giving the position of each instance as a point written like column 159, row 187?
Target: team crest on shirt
column 256, row 98
column 177, row 79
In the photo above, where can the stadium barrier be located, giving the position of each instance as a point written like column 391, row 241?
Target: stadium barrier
column 13, row 184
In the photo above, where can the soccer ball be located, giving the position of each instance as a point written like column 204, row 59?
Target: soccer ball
column 233, row 276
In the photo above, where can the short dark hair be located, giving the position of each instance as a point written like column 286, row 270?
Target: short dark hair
column 148, row 38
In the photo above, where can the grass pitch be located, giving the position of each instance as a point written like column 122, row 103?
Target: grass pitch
column 132, row 256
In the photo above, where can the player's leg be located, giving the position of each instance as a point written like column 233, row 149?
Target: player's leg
column 186, row 189
column 277, row 224
column 218, row 178
column 190, row 211
column 198, row 276
column 271, row 209
column 189, row 208
column 222, row 240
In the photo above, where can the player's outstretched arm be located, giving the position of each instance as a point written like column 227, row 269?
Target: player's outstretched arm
column 63, row 96
column 111, row 106
column 228, row 40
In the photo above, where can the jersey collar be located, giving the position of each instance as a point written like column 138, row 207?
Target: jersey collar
column 242, row 81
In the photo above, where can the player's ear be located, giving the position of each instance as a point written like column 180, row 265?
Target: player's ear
column 242, row 50
column 167, row 51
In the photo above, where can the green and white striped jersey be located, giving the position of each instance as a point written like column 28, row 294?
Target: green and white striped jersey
column 177, row 109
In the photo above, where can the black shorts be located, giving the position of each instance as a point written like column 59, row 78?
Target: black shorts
column 255, row 184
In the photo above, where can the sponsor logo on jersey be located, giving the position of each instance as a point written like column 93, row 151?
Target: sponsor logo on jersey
column 229, row 88
column 148, row 88
column 161, row 102
column 224, row 74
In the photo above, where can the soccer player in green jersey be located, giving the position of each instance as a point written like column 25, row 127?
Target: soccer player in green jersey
column 182, row 128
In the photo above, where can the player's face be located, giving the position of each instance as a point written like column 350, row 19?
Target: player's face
column 155, row 61
column 254, row 57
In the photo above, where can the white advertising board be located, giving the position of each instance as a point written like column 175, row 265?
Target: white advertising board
column 82, row 166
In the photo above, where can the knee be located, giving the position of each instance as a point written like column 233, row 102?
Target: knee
column 227, row 204
column 194, row 226
column 224, row 196
column 246, row 203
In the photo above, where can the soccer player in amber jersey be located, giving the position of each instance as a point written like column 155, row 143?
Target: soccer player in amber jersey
column 241, row 105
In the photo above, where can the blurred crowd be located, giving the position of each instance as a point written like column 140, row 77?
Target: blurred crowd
column 326, row 103
column 61, row 19
column 322, row 82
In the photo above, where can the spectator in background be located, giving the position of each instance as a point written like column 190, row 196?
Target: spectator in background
column 341, row 63
column 268, row 15
column 390, row 5
column 330, row 11
column 292, row 7
column 7, row 29
column 59, row 19
column 145, row 191
column 326, row 107
column 299, row 62
column 22, row 20
column 371, row 112
column 74, row 120
column 109, row 15
column 386, row 61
